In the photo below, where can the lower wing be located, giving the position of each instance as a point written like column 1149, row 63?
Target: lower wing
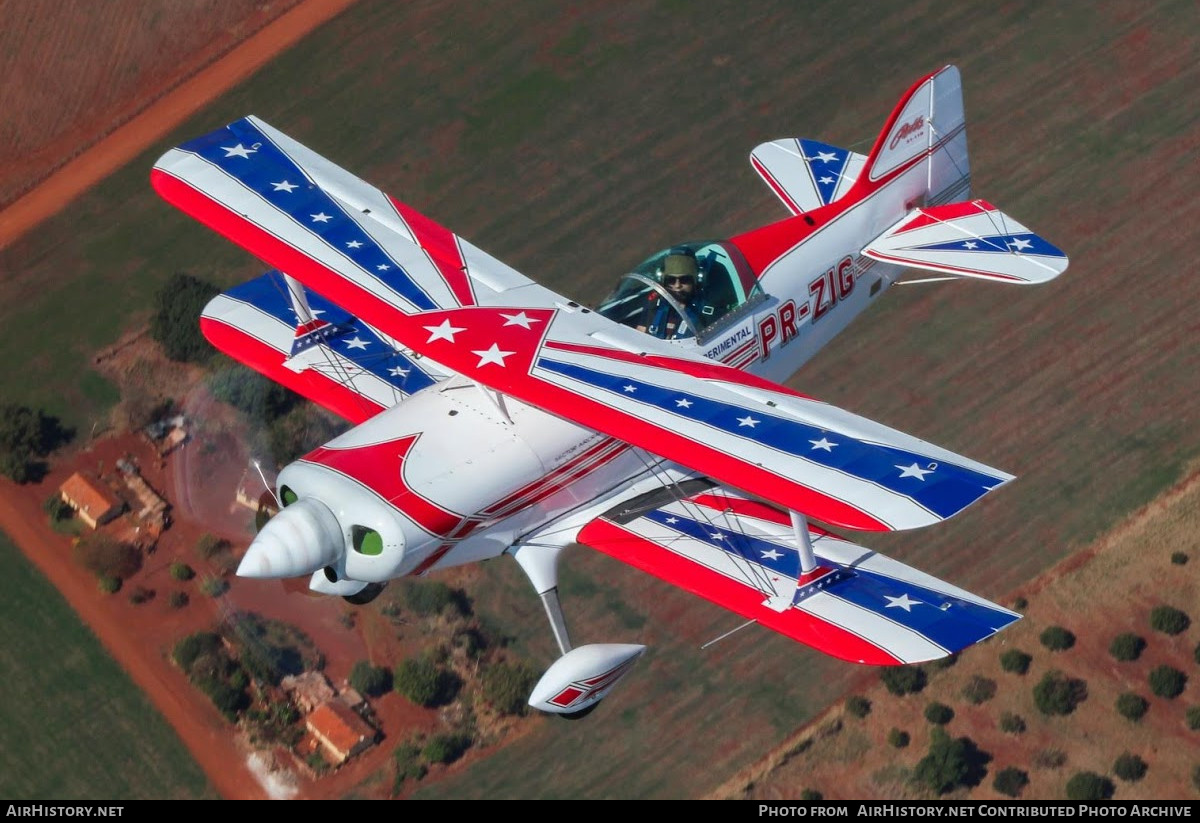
column 857, row 605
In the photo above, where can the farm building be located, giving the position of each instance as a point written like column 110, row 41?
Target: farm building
column 340, row 731
column 92, row 500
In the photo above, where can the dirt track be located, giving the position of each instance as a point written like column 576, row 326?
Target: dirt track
column 118, row 148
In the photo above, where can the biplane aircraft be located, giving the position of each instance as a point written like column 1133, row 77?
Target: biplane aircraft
column 494, row 416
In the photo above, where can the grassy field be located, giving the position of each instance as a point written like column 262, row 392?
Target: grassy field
column 75, row 726
column 573, row 141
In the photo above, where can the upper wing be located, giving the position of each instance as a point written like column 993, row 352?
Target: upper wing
column 346, row 366
column 437, row 294
column 856, row 604
column 805, row 174
column 971, row 239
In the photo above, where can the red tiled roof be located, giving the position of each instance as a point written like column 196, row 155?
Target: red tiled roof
column 340, row 726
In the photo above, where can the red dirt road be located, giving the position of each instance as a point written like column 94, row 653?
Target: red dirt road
column 118, row 148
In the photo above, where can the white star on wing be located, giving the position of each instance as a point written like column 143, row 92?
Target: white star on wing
column 284, row 185
column 382, row 267
column 683, row 403
column 716, row 536
column 914, row 471
column 356, row 343
column 902, row 602
column 519, row 319
column 396, row 371
column 825, row 180
column 630, row 388
column 824, row 444
column 354, row 244
column 772, row 555
column 748, row 421
column 443, row 332
column 825, row 156
column 492, row 355
column 238, row 151
column 321, row 217
column 970, row 244
column 1019, row 243
column 672, row 520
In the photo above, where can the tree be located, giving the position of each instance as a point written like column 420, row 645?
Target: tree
column 979, row 689
column 858, row 706
column 182, row 571
column 446, row 748
column 939, row 713
column 1089, row 786
column 105, row 556
column 1167, row 681
column 26, row 435
column 1011, row 723
column 1179, row 558
column 1058, row 694
column 1169, row 620
column 1193, row 718
column 408, row 765
column 176, row 320
column 1015, row 661
column 1010, row 781
column 1126, row 647
column 1057, row 639
column 425, row 683
column 434, row 598
column 950, row 763
column 192, row 647
column 57, row 508
column 506, row 686
column 902, row 680
column 370, row 679
column 255, row 396
column 177, row 600
column 898, row 738
column 1130, row 767
column 1132, row 706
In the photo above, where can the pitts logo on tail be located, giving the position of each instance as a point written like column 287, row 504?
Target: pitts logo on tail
column 913, row 129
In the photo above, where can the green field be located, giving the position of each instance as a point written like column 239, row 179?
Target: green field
column 75, row 727
column 573, row 140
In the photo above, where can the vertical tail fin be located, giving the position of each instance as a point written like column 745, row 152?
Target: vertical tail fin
column 928, row 125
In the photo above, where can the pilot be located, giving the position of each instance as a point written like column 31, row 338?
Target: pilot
column 679, row 276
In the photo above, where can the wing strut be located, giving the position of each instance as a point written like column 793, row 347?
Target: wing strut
column 779, row 601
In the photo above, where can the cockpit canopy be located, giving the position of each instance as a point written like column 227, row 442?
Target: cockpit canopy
column 647, row 299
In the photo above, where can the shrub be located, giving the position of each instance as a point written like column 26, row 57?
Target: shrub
column 408, row 764
column 1167, row 681
column 58, row 509
column 1169, row 620
column 979, row 689
column 209, row 546
column 192, row 647
column 1058, row 694
column 811, row 795
column 1089, row 786
column 858, row 706
column 140, row 595
column 1126, row 647
column 430, row 599
column 1179, row 558
column 1132, row 706
column 214, row 586
column 898, row 738
column 950, row 763
column 1193, row 718
column 939, row 713
column 1130, row 767
column 1057, row 639
column 1010, row 781
column 177, row 600
column 1015, row 661
column 109, row 583
column 106, row 556
column 182, row 571
column 1050, row 759
column 1020, row 604
column 425, row 683
column 506, row 686
column 369, row 679
column 1011, row 723
column 177, row 305
column 902, row 680
column 446, row 748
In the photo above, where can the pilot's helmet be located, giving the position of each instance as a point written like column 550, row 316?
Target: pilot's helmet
column 679, row 265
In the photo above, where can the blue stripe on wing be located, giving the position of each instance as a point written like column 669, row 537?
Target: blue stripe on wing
column 354, row 340
column 244, row 152
column 948, row 621
column 944, row 489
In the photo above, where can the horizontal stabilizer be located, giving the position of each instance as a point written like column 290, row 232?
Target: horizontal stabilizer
column 857, row 605
column 805, row 174
column 969, row 239
column 337, row 361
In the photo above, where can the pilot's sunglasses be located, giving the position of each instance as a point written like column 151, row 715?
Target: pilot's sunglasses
column 671, row 280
